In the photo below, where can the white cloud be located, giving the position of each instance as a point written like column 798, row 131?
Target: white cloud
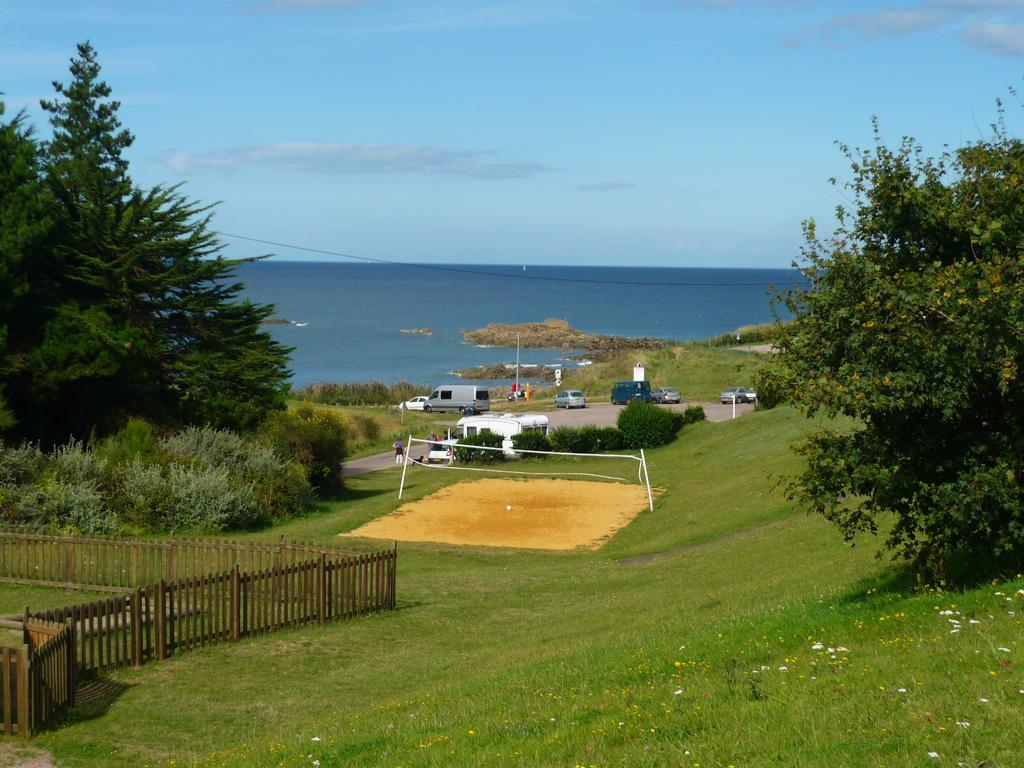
column 352, row 159
column 605, row 186
column 977, row 5
column 1003, row 39
column 869, row 26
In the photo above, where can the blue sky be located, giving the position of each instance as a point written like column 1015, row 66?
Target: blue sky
column 654, row 132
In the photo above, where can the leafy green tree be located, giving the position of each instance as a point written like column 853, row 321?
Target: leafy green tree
column 145, row 319
column 913, row 329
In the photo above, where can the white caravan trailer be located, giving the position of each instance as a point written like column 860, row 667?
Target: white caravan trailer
column 508, row 425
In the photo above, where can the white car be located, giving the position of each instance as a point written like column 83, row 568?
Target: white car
column 416, row 404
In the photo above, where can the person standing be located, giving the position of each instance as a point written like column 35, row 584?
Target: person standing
column 399, row 451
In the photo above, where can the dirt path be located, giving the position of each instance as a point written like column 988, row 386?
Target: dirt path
column 15, row 755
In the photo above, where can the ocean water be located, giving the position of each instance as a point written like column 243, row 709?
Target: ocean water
column 352, row 314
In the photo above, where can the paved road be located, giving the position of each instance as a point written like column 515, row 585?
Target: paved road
column 599, row 414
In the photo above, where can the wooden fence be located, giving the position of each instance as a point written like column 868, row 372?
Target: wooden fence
column 156, row 621
column 121, row 564
column 173, row 596
column 38, row 676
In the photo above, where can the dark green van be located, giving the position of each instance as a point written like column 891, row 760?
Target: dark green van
column 624, row 391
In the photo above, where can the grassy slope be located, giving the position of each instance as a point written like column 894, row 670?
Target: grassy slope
column 498, row 657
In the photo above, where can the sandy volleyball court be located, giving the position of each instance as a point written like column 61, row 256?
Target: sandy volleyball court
column 545, row 514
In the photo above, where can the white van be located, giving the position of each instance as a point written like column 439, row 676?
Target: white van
column 508, row 425
column 464, row 398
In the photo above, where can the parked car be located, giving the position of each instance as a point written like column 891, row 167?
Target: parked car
column 416, row 404
column 570, row 398
column 666, row 395
column 741, row 395
column 624, row 391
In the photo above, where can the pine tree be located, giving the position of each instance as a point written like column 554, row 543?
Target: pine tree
column 146, row 320
column 25, row 224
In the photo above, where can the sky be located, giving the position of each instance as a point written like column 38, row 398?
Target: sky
column 689, row 133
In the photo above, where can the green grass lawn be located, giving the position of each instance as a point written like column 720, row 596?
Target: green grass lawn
column 723, row 628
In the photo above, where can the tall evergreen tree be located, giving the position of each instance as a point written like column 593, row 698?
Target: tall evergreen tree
column 25, row 225
column 146, row 319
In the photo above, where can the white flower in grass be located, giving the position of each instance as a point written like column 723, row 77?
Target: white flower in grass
column 974, row 621
column 677, row 692
column 933, row 755
column 983, row 700
column 783, row 668
column 962, row 724
column 817, row 647
column 1005, row 650
column 901, row 690
column 315, row 738
column 843, row 649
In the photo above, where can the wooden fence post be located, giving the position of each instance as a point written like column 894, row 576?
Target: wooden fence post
column 68, row 569
column 71, row 646
column 136, row 627
column 24, row 715
column 172, row 562
column 393, row 579
column 160, row 611
column 321, row 589
column 236, row 603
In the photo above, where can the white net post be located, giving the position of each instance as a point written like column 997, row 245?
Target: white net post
column 405, row 465
column 647, row 480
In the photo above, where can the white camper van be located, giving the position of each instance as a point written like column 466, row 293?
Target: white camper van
column 508, row 425
column 464, row 398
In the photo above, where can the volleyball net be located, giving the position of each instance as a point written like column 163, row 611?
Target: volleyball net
column 452, row 456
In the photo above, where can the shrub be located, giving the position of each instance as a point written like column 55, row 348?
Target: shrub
column 532, row 440
column 645, row 425
column 360, row 393
column 609, row 439
column 770, row 390
column 77, row 507
column 693, row 414
column 366, row 426
column 204, row 498
column 280, row 486
column 143, row 494
column 20, row 464
column 135, row 439
column 586, row 439
column 314, row 438
column 213, row 447
column 75, row 464
column 486, row 438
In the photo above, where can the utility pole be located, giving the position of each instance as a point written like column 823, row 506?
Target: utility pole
column 517, row 365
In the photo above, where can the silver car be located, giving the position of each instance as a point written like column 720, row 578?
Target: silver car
column 738, row 394
column 666, row 395
column 570, row 398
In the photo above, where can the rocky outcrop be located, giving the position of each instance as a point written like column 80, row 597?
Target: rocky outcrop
column 556, row 334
